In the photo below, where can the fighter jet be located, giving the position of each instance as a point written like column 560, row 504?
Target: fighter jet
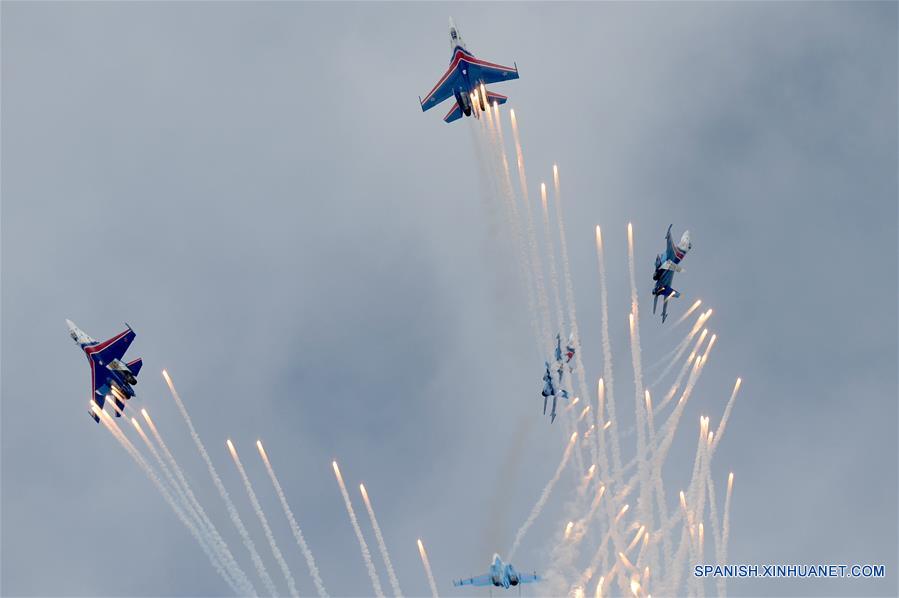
column 466, row 80
column 569, row 350
column 501, row 575
column 110, row 377
column 665, row 269
column 550, row 390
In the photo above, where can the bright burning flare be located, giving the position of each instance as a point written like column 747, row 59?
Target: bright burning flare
column 427, row 566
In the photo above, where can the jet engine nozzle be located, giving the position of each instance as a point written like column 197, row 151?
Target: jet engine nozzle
column 464, row 100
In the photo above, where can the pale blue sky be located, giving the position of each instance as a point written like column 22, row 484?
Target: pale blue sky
column 255, row 190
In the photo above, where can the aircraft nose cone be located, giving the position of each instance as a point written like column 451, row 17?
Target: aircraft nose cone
column 70, row 324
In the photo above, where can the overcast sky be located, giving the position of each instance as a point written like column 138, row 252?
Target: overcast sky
column 318, row 264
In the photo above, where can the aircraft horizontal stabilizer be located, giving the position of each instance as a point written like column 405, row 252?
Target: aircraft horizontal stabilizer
column 496, row 98
column 454, row 114
column 669, row 265
column 135, row 366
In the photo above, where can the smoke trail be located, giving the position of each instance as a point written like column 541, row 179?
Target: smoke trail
column 537, row 268
column 536, row 262
column 232, row 510
column 602, row 553
column 699, row 492
column 676, row 570
column 672, row 356
column 580, row 528
column 688, row 535
column 664, row 359
column 595, row 561
column 725, row 534
column 492, row 147
column 607, row 352
column 427, row 566
column 644, row 501
column 550, row 250
column 151, row 474
column 653, row 481
column 185, row 503
column 680, row 376
column 218, row 541
column 578, row 532
column 366, row 555
column 673, row 419
column 636, row 357
column 477, row 135
column 598, row 421
column 638, row 541
column 276, row 552
column 297, row 533
column 681, row 319
column 523, row 258
column 696, row 491
column 661, row 454
column 726, row 416
column 503, row 182
column 642, row 455
column 713, row 515
column 569, row 295
column 682, row 346
column 544, row 496
column 382, row 546
column 566, row 550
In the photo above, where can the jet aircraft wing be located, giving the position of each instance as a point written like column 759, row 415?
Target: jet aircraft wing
column 489, row 72
column 113, row 348
column 528, row 578
column 480, row 580
column 443, row 89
